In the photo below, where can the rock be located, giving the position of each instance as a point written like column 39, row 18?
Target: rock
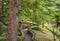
column 44, row 35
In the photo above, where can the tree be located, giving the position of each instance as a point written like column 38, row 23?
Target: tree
column 13, row 21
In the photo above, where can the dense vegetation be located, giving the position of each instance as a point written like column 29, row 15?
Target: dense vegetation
column 40, row 14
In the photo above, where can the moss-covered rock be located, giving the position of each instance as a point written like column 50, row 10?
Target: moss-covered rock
column 44, row 35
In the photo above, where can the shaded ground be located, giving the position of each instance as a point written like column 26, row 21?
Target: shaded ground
column 27, row 36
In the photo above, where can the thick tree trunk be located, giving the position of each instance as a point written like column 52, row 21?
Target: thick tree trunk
column 13, row 21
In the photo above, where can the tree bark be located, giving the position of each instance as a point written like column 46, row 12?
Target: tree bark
column 13, row 21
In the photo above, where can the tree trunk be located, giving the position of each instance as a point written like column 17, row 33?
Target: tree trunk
column 13, row 21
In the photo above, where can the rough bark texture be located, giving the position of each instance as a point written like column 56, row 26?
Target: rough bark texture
column 13, row 21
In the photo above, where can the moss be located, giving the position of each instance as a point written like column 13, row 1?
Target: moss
column 36, row 28
column 46, row 36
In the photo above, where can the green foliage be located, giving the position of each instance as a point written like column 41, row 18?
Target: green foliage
column 37, row 11
column 2, row 29
column 3, row 39
column 42, row 10
column 54, row 30
column 20, row 38
column 35, row 28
